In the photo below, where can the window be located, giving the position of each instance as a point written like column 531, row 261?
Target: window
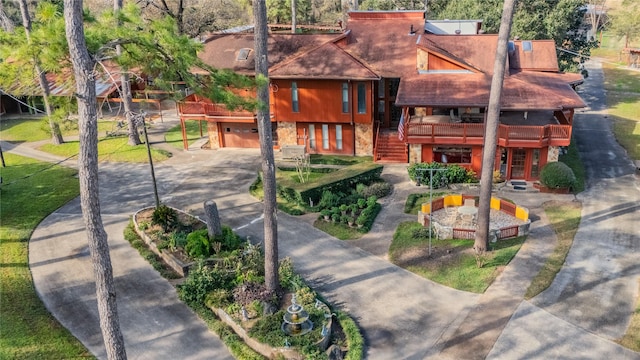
column 527, row 46
column 325, row 136
column 452, row 155
column 345, row 97
column 512, row 46
column 295, row 107
column 535, row 163
column 339, row 137
column 362, row 100
column 312, row 136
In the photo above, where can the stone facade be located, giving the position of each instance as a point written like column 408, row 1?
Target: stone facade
column 364, row 139
column 214, row 136
column 415, row 153
column 287, row 133
column 553, row 154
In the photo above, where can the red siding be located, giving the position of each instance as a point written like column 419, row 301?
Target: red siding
column 319, row 101
column 438, row 63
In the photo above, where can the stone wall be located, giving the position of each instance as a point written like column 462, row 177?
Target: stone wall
column 287, row 133
column 553, row 154
column 214, row 136
column 415, row 153
column 364, row 139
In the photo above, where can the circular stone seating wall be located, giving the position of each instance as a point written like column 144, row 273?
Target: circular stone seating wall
column 457, row 200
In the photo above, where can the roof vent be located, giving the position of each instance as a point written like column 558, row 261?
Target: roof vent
column 458, row 32
column 411, row 31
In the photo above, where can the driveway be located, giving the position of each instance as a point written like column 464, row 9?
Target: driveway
column 589, row 304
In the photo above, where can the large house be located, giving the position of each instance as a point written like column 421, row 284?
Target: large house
column 400, row 89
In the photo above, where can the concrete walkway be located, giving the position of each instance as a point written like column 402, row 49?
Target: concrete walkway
column 402, row 315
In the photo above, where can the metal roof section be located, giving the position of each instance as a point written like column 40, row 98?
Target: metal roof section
column 453, row 27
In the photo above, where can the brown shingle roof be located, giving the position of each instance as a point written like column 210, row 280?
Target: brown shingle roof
column 478, row 51
column 542, row 56
column 385, row 45
column 327, row 61
column 221, row 50
column 522, row 91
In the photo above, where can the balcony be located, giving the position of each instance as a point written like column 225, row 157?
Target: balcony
column 441, row 130
column 199, row 110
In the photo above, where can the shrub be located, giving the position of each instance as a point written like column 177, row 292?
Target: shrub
column 201, row 281
column 420, row 233
column 362, row 203
column 218, row 298
column 557, row 175
column 198, row 244
column 419, row 173
column 165, row 216
column 379, row 189
column 329, row 200
column 230, row 240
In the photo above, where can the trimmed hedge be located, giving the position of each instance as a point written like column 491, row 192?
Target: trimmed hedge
column 340, row 181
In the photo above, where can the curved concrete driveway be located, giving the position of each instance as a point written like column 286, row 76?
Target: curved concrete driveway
column 592, row 298
column 403, row 316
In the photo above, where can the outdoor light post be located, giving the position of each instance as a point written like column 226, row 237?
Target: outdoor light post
column 430, row 170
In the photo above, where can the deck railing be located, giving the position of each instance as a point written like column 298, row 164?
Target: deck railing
column 214, row 110
column 473, row 133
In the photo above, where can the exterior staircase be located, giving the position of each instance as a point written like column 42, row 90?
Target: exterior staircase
column 390, row 149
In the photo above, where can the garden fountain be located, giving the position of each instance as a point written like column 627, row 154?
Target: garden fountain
column 296, row 319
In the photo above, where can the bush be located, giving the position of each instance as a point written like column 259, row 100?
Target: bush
column 198, row 244
column 229, row 240
column 165, row 216
column 556, row 175
column 378, row 189
column 201, row 281
column 329, row 200
column 452, row 174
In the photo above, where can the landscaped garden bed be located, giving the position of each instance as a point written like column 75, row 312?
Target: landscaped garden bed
column 225, row 274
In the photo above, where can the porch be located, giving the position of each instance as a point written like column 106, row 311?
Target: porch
column 522, row 129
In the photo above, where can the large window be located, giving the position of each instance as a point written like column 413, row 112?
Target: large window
column 345, row 97
column 312, row 137
column 362, row 100
column 325, row 136
column 339, row 137
column 295, row 106
column 452, row 155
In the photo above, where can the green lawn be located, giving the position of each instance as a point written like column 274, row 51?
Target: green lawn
column 36, row 129
column 115, row 149
column 453, row 263
column 173, row 136
column 28, row 330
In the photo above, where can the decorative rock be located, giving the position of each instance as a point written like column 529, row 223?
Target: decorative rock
column 212, row 218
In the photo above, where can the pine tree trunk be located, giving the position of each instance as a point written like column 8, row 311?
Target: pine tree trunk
column 5, row 22
column 125, row 92
column 294, row 12
column 266, row 148
column 88, row 174
column 56, row 134
column 212, row 217
column 491, row 132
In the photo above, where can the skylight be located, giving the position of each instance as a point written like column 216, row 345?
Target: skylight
column 527, row 46
column 243, row 54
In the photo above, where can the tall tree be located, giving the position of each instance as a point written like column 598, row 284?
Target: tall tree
column 56, row 135
column 125, row 89
column 83, row 67
column 596, row 15
column 491, row 131
column 626, row 23
column 266, row 147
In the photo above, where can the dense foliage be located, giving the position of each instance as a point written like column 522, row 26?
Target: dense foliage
column 443, row 174
column 557, row 175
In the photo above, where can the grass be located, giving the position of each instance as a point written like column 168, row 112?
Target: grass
column 36, row 129
column 564, row 218
column 28, row 329
column 631, row 338
column 115, row 149
column 339, row 159
column 173, row 136
column 455, row 266
column 337, row 230
column 414, row 201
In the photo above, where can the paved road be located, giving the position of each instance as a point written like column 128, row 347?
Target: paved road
column 590, row 302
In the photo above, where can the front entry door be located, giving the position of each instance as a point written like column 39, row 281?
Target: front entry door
column 518, row 161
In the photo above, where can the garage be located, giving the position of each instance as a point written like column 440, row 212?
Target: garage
column 241, row 135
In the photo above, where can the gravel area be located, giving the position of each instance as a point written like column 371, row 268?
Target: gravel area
column 452, row 218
